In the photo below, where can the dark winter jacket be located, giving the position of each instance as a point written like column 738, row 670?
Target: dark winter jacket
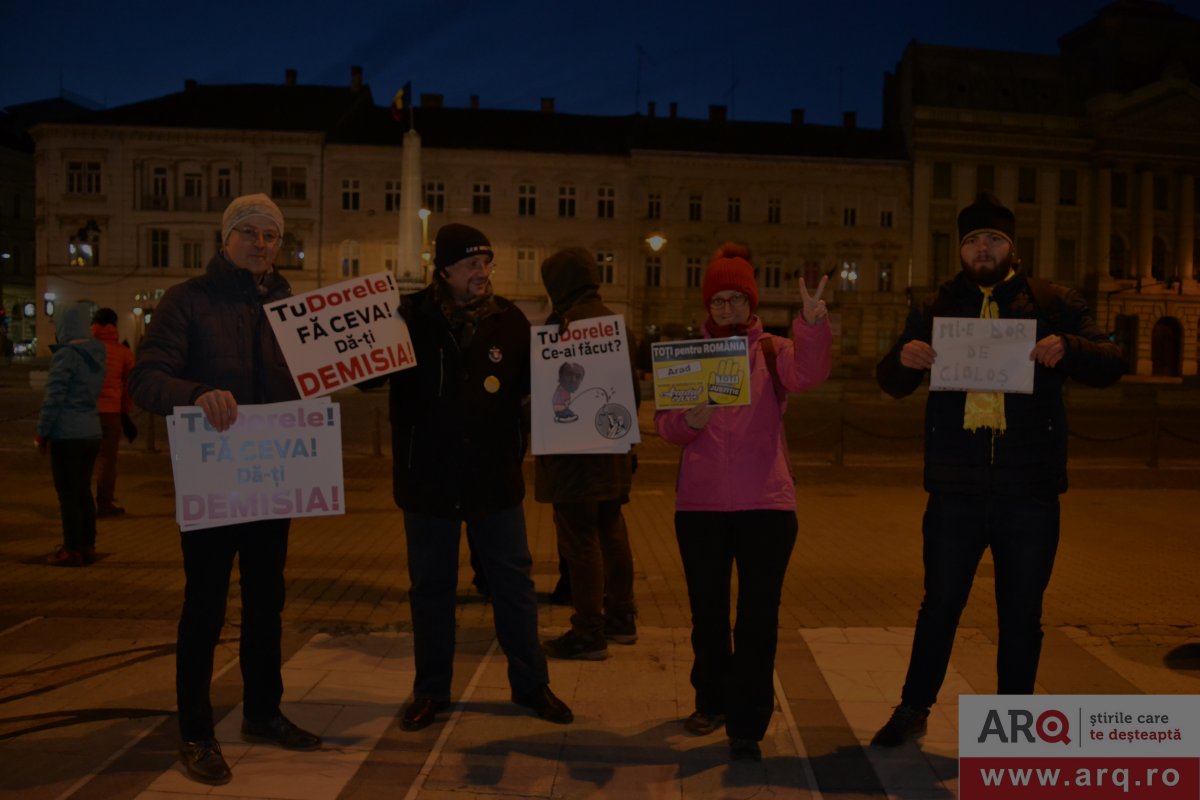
column 583, row 477
column 458, row 417
column 1030, row 457
column 210, row 332
column 74, row 380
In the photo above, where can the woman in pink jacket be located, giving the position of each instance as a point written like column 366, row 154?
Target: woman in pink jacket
column 736, row 503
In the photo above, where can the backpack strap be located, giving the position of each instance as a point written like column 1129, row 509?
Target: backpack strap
column 771, row 355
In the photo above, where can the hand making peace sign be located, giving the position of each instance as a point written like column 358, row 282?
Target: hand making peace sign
column 814, row 307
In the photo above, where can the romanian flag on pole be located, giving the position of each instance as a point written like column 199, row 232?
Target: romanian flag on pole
column 402, row 99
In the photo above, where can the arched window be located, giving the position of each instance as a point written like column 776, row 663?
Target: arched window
column 1166, row 347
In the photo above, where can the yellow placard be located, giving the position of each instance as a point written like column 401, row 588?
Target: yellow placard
column 712, row 371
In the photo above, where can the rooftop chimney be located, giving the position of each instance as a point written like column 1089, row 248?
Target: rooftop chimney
column 650, row 109
column 547, row 105
column 474, row 102
column 797, row 116
column 356, row 78
column 674, row 109
column 431, row 100
column 716, row 113
column 289, row 77
column 849, row 119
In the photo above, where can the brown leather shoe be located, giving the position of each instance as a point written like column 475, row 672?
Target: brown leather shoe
column 421, row 712
column 546, row 705
column 203, row 762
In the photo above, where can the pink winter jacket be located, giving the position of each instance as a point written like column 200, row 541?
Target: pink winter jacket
column 739, row 461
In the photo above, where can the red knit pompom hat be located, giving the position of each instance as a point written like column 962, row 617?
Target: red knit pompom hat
column 730, row 270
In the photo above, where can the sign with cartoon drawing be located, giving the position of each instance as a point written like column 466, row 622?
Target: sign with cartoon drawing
column 712, row 371
column 582, row 388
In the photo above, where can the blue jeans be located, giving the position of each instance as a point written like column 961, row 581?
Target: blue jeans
column 735, row 676
column 1023, row 535
column 499, row 544
column 261, row 550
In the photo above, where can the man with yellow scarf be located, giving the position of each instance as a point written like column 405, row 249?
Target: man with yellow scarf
column 995, row 463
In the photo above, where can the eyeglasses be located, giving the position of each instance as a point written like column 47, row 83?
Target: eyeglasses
column 736, row 301
column 269, row 238
column 476, row 266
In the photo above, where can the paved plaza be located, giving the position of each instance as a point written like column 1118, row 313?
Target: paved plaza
column 87, row 658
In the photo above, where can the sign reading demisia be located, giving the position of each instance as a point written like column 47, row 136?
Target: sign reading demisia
column 342, row 334
column 277, row 460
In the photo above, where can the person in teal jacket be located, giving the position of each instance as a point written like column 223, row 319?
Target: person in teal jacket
column 69, row 430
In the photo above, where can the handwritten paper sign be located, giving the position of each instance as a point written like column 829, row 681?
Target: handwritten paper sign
column 983, row 355
column 582, row 388
column 278, row 460
column 713, row 371
column 342, row 334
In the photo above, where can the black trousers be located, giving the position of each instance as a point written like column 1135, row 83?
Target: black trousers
column 208, row 555
column 1022, row 533
column 735, row 678
column 71, row 462
column 593, row 539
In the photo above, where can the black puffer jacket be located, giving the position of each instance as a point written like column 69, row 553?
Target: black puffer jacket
column 1030, row 457
column 582, row 477
column 458, row 417
column 210, row 332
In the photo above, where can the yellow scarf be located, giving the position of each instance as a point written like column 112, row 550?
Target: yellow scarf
column 986, row 409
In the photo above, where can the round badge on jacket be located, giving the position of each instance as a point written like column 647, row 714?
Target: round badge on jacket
column 495, row 355
column 492, row 384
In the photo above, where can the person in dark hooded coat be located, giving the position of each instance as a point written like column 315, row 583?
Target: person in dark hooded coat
column 587, row 491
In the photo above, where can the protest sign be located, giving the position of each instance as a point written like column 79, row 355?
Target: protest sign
column 977, row 354
column 582, row 388
column 342, row 334
column 712, row 371
column 277, row 460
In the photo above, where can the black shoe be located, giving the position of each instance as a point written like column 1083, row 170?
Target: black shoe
column 744, row 750
column 203, row 762
column 574, row 646
column 420, row 713
column 702, row 724
column 621, row 629
column 281, row 731
column 546, row 705
column 109, row 511
column 907, row 723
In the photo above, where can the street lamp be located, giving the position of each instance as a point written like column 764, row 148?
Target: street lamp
column 424, row 215
column 656, row 241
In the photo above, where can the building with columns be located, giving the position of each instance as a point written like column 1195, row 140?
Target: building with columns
column 1096, row 150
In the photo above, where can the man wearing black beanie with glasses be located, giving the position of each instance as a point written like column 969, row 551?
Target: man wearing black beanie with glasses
column 995, row 463
column 459, row 433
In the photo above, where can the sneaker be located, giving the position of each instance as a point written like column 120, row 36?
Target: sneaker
column 907, row 723
column 62, row 557
column 280, row 731
column 573, row 645
column 109, row 511
column 203, row 762
column 621, row 629
column 744, row 750
column 702, row 724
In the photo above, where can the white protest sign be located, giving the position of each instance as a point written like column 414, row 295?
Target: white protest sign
column 342, row 334
column 278, row 460
column 975, row 354
column 582, row 397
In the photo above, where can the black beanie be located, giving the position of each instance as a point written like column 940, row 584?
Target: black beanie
column 987, row 214
column 454, row 242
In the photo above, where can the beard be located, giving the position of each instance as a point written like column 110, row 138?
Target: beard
column 987, row 273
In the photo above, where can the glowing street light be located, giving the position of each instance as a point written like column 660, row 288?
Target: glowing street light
column 656, row 241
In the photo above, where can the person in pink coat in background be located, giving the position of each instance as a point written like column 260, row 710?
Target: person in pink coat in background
column 736, row 503
column 113, row 403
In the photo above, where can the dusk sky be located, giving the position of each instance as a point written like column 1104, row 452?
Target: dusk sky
column 760, row 59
